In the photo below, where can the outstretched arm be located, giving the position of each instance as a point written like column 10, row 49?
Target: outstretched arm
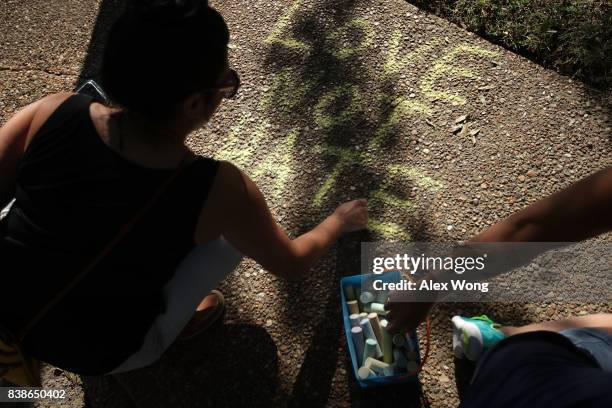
column 582, row 210
column 239, row 212
column 578, row 212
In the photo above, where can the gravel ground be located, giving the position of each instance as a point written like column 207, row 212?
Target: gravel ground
column 340, row 99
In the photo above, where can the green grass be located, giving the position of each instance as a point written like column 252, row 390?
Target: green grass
column 571, row 36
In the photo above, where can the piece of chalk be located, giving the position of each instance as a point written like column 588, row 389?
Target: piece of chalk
column 375, row 365
column 352, row 305
column 387, row 342
column 399, row 340
column 349, row 292
column 366, row 297
column 369, row 350
column 382, row 296
column 363, row 315
column 368, row 333
column 400, row 359
column 378, row 308
column 354, row 319
column 365, row 372
column 367, row 307
column 373, row 318
column 358, row 342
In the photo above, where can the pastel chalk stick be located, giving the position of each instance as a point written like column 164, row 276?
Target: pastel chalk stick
column 358, row 342
column 368, row 333
column 387, row 342
column 353, row 307
column 365, row 373
column 373, row 318
column 369, row 350
column 378, row 308
column 375, row 365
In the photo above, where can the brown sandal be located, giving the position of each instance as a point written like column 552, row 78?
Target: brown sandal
column 209, row 311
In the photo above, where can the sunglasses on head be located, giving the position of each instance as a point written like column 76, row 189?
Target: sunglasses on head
column 230, row 87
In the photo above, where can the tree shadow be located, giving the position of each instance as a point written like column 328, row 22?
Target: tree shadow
column 108, row 12
column 326, row 73
column 155, row 385
column 231, row 365
column 316, row 28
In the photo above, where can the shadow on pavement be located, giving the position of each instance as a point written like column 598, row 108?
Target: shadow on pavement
column 231, row 365
column 400, row 396
column 326, row 73
column 108, row 12
column 225, row 367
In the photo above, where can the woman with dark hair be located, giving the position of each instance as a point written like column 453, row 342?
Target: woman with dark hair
column 81, row 172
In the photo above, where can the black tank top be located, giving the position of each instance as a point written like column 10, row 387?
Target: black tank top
column 73, row 195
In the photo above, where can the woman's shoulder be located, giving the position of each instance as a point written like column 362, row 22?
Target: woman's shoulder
column 44, row 108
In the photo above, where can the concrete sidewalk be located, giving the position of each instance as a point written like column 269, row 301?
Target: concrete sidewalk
column 340, row 99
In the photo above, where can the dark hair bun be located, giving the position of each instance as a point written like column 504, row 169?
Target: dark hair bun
column 159, row 52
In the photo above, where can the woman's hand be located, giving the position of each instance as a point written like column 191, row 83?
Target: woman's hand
column 353, row 215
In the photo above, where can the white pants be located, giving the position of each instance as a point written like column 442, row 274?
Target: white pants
column 199, row 273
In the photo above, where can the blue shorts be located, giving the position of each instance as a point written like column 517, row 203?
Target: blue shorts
column 596, row 342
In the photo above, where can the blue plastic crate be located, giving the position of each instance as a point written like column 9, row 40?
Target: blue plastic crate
column 356, row 281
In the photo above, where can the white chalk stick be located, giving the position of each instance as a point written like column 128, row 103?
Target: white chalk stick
column 375, row 365
column 378, row 308
column 368, row 333
column 369, row 350
column 387, row 342
column 358, row 342
column 365, row 373
column 354, row 319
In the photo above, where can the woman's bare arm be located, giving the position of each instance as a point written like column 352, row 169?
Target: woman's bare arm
column 237, row 210
column 580, row 211
column 15, row 137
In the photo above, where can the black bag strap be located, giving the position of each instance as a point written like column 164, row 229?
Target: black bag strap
column 127, row 227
